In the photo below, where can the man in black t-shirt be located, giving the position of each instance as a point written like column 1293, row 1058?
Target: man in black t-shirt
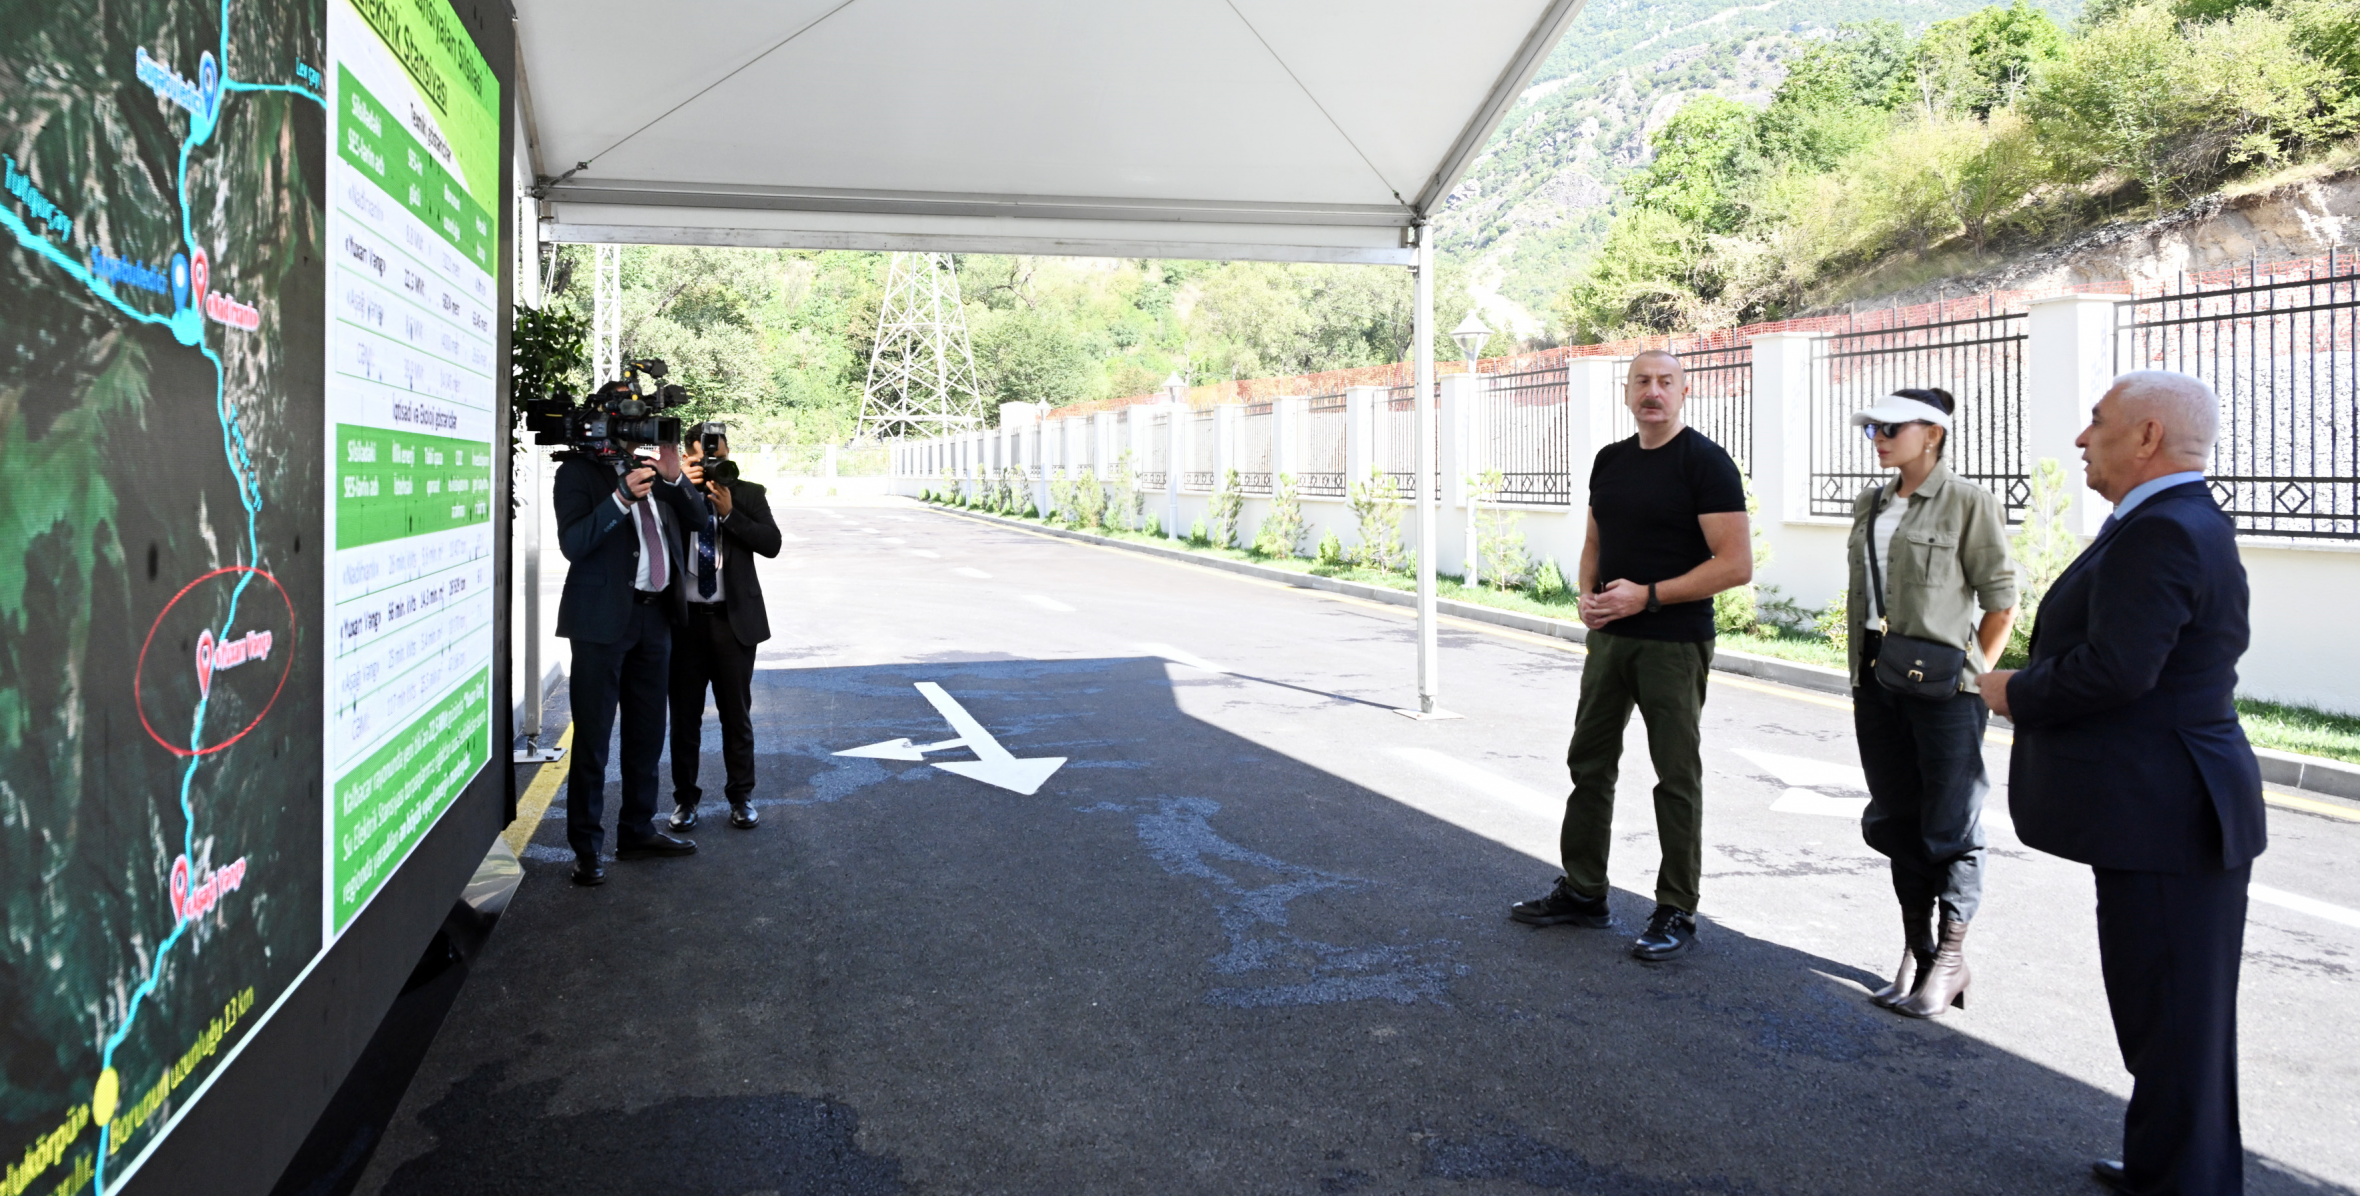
column 1667, row 531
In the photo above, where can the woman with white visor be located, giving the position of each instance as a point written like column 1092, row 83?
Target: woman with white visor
column 1932, row 596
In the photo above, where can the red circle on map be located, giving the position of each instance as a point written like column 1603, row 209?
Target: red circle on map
column 140, row 703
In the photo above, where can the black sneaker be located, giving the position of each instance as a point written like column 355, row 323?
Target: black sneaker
column 1560, row 906
column 1670, row 932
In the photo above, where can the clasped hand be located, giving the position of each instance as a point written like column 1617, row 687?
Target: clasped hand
column 1620, row 599
column 719, row 493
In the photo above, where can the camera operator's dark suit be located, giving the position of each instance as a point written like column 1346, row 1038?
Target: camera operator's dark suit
column 716, row 648
column 622, row 641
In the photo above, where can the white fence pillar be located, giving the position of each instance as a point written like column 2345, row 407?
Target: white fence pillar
column 1593, row 392
column 1461, row 457
column 1176, row 421
column 1783, row 366
column 1226, row 418
column 2068, row 360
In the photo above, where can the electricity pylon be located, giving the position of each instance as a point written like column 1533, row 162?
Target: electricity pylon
column 921, row 372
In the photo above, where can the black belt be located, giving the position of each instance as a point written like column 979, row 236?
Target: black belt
column 718, row 609
column 646, row 597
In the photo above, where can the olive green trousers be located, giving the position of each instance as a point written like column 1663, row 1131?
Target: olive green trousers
column 1665, row 683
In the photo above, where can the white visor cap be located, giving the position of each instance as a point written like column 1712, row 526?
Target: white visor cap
column 1900, row 409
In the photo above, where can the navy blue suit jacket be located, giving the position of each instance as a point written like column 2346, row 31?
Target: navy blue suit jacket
column 2128, row 753
column 601, row 547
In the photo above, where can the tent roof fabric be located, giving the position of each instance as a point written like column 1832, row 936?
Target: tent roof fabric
column 1297, row 130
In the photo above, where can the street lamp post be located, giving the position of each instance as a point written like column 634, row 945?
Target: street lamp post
column 1470, row 334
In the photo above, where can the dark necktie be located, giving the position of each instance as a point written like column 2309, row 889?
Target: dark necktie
column 705, row 578
column 652, row 543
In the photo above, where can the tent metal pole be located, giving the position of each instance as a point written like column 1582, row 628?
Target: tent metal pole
column 1422, row 353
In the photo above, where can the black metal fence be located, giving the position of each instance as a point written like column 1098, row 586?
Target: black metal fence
column 1978, row 358
column 1321, row 472
column 1398, row 444
column 1255, row 426
column 2283, row 352
column 1521, row 431
column 1721, row 399
column 1202, row 431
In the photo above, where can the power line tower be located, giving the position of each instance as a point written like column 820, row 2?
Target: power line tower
column 606, row 316
column 921, row 373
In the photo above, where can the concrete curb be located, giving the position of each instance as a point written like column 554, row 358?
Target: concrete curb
column 2316, row 774
column 1744, row 664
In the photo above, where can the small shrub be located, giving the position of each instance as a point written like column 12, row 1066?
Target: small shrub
column 1772, row 608
column 1060, row 500
column 1226, row 506
column 2042, row 548
column 1548, row 582
column 1126, row 506
column 1089, row 500
column 1835, row 621
column 1376, row 508
column 1282, row 529
column 1499, row 544
column 1330, row 551
column 1734, row 612
column 1198, row 537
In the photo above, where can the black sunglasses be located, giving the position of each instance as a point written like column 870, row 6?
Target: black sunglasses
column 1888, row 431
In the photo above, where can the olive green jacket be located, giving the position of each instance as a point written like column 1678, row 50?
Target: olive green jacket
column 1949, row 565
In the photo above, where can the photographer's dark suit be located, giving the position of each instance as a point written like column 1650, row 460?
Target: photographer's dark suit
column 716, row 648
column 2129, row 758
column 622, row 641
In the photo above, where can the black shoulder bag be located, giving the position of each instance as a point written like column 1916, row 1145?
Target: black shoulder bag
column 1905, row 664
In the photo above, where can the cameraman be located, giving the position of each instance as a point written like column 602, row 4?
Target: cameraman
column 622, row 525
column 726, row 619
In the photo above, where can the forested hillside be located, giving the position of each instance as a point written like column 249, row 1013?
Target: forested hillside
column 1544, row 193
column 1678, row 164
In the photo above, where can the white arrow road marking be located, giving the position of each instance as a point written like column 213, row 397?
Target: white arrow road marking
column 928, row 553
column 971, row 571
column 1795, row 770
column 2304, row 905
column 1045, row 602
column 1805, row 801
column 993, row 765
column 1176, row 656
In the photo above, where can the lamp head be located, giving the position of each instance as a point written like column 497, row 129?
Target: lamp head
column 1470, row 334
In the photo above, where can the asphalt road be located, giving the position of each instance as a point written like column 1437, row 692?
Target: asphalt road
column 1252, row 935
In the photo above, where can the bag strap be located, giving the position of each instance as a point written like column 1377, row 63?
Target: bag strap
column 1876, row 576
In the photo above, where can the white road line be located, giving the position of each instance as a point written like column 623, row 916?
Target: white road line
column 1176, row 656
column 894, row 540
column 971, row 571
column 928, row 553
column 2304, row 905
column 1805, row 801
column 1797, row 771
column 790, row 537
column 1045, row 602
column 1503, row 811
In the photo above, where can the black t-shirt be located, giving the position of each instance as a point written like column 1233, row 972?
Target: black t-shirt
column 1646, row 502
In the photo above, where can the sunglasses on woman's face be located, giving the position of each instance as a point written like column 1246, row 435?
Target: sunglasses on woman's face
column 1887, row 431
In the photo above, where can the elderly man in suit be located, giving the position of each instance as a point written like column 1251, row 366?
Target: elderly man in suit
column 2129, row 758
column 623, row 527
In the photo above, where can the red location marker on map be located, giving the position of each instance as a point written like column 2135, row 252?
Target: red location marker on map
column 199, row 271
column 205, row 663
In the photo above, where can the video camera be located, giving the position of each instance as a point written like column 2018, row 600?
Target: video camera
column 710, row 436
column 624, row 410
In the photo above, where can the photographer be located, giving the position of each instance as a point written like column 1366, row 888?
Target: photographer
column 726, row 619
column 623, row 524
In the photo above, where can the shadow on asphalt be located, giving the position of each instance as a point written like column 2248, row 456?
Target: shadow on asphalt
column 1187, row 964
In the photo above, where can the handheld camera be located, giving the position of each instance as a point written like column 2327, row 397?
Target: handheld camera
column 622, row 412
column 710, row 436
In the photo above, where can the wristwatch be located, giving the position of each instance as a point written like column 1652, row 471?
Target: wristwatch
column 1654, row 603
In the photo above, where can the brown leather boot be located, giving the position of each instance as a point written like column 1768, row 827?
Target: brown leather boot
column 1946, row 982
column 1917, row 952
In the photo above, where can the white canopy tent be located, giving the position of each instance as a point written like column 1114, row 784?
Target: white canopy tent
column 1287, row 130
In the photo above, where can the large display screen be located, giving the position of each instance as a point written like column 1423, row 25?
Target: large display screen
column 247, row 420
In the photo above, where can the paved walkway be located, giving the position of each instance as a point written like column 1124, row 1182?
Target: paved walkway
column 1251, row 937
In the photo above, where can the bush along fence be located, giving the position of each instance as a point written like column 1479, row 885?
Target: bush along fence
column 1515, row 438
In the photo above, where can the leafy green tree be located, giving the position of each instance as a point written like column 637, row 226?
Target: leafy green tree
column 1984, row 60
column 1705, row 161
column 1837, row 97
